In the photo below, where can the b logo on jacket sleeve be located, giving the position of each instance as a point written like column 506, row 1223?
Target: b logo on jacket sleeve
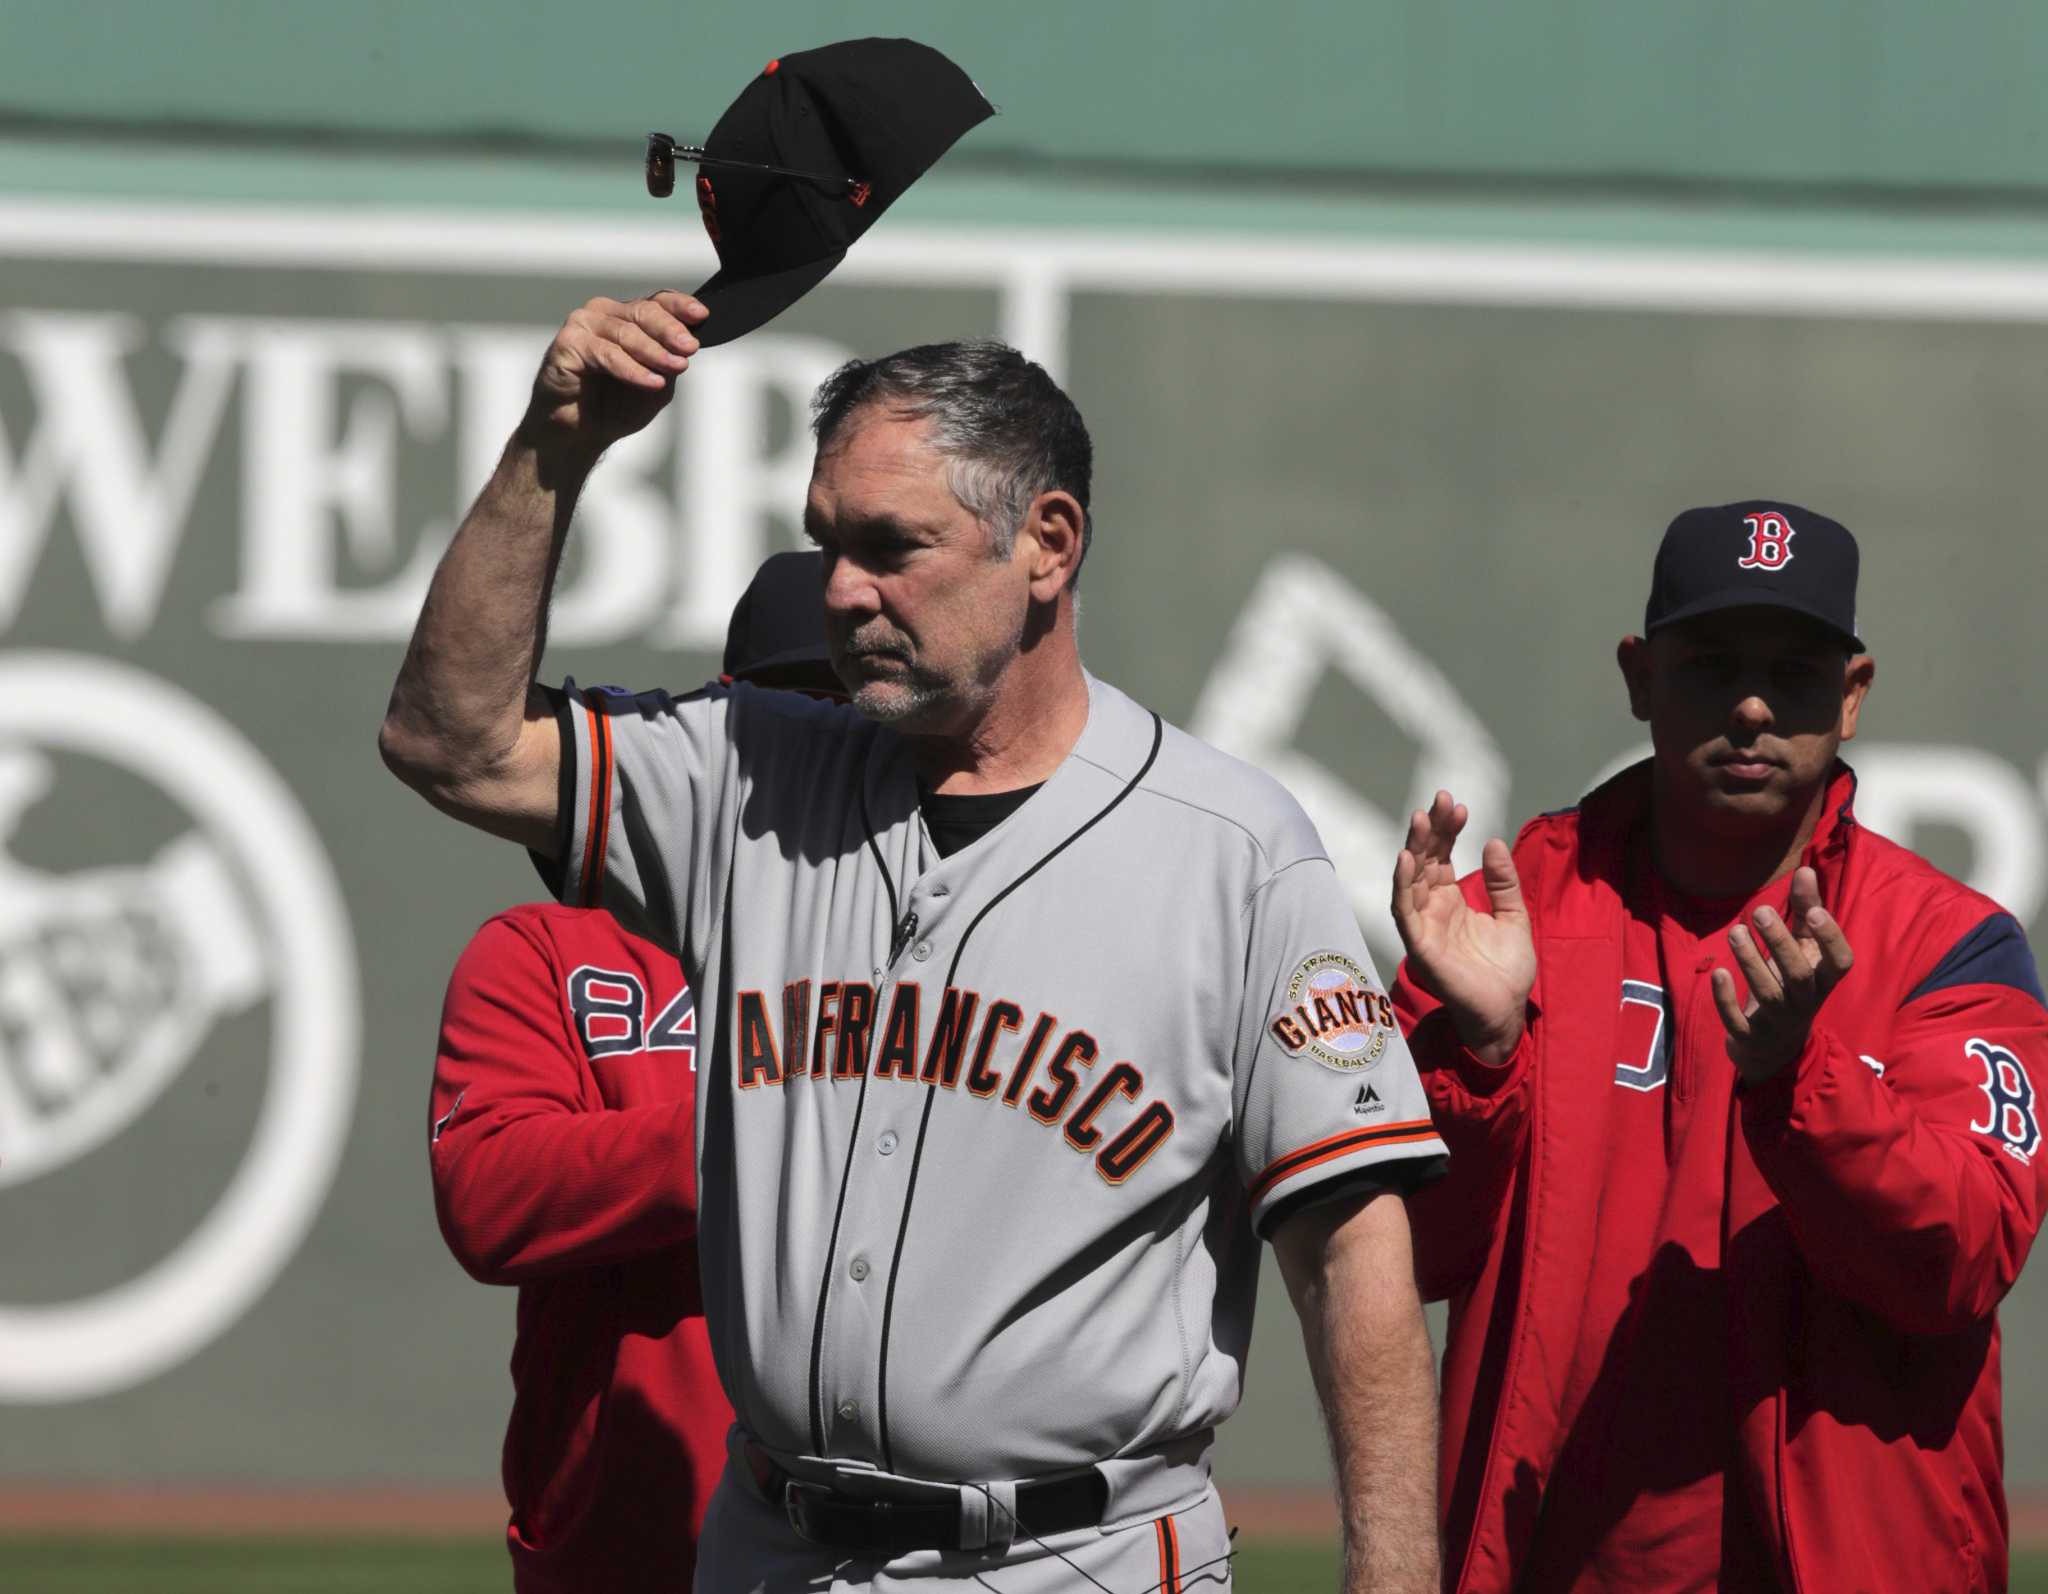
column 2011, row 1096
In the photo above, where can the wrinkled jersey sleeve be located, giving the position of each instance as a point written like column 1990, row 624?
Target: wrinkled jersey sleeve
column 646, row 781
column 1326, row 1093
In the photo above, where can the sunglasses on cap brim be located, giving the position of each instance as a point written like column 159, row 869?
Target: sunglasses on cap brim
column 663, row 152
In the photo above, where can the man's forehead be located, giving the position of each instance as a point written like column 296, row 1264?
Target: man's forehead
column 878, row 461
column 877, row 431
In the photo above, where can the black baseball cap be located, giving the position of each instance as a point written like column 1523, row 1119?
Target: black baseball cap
column 777, row 632
column 851, row 126
column 1756, row 553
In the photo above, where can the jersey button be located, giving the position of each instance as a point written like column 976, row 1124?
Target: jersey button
column 921, row 951
column 857, row 1269
column 849, row 1411
column 887, row 1143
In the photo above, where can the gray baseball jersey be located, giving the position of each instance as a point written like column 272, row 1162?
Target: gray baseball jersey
column 984, row 1139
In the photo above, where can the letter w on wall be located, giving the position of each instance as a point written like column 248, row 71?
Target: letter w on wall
column 85, row 447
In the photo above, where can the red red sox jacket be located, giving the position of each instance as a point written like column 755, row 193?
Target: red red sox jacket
column 564, row 1161
column 1827, row 1265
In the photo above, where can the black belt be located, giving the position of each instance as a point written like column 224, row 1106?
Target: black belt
column 825, row 1516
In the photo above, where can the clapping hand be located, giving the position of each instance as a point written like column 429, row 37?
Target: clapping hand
column 1790, row 974
column 1480, row 965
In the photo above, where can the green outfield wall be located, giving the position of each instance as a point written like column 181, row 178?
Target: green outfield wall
column 1381, row 469
column 1881, row 93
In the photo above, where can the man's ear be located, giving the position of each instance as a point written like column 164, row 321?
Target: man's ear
column 1051, row 542
column 1856, row 681
column 1632, row 653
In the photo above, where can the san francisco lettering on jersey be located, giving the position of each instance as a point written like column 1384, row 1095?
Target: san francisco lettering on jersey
column 957, row 1040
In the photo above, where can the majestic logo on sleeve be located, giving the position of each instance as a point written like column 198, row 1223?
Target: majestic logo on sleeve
column 2011, row 1095
column 1333, row 1014
column 1770, row 542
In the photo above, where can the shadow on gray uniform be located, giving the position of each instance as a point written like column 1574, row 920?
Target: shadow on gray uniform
column 776, row 639
column 871, row 765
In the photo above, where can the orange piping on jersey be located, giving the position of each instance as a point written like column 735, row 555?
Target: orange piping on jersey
column 599, row 823
column 1169, row 1557
column 1340, row 1146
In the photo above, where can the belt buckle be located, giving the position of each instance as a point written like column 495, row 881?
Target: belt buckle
column 798, row 1499
column 821, row 1515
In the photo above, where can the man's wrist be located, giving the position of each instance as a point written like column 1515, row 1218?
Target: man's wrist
column 1767, row 1093
column 1491, row 1044
column 560, row 459
column 1757, row 1070
column 1755, row 1074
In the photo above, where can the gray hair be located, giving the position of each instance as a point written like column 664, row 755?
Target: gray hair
column 1006, row 429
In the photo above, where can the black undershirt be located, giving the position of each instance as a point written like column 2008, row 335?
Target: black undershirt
column 957, row 820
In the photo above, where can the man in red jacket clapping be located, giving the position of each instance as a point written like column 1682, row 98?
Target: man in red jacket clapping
column 564, row 1162
column 1745, row 1146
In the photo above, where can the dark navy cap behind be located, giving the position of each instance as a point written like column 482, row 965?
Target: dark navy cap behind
column 778, row 626
column 1756, row 553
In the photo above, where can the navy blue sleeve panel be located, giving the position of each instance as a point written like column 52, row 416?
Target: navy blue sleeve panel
column 1994, row 953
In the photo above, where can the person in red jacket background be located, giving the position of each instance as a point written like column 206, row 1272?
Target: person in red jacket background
column 564, row 1162
column 1745, row 1149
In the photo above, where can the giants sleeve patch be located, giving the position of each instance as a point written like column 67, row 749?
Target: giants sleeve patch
column 1334, row 1014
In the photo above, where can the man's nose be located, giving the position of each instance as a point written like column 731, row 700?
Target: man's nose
column 1753, row 713
column 849, row 589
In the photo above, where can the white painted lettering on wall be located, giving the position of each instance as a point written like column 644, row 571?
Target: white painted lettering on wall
column 331, row 415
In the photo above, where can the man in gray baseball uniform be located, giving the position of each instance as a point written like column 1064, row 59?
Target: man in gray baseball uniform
column 1025, row 1013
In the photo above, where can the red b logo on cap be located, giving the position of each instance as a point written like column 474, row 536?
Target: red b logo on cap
column 1770, row 542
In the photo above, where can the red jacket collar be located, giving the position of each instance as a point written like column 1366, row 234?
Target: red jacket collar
column 1610, row 815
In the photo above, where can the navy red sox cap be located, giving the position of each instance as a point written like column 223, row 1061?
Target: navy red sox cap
column 1756, row 554
column 777, row 633
column 805, row 161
